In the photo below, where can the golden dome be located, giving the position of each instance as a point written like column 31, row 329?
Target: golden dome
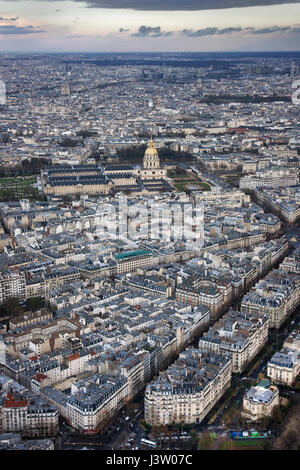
column 151, row 150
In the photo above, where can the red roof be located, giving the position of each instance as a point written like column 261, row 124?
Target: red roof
column 10, row 402
column 39, row 377
column 33, row 358
column 72, row 357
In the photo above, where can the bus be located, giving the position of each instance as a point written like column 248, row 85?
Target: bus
column 250, row 434
column 146, row 442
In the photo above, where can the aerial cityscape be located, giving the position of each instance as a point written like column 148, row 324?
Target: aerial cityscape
column 150, row 227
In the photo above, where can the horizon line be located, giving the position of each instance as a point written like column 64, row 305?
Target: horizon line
column 153, row 52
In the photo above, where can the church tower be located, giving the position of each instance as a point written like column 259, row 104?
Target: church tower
column 151, row 158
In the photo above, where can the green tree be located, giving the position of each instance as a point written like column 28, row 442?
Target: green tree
column 34, row 303
column 277, row 414
column 226, row 444
column 205, row 442
column 194, row 436
column 11, row 308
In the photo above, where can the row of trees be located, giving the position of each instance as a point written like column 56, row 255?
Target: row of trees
column 288, row 432
column 13, row 308
column 136, row 154
column 27, row 167
column 68, row 142
column 207, row 442
column 17, row 193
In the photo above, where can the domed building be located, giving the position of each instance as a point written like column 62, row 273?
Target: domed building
column 151, row 165
column 94, row 179
column 148, row 179
column 151, row 159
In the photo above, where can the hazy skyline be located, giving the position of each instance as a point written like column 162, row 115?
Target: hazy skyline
column 71, row 26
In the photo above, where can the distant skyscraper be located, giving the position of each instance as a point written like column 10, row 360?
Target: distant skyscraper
column 156, row 101
column 65, row 88
column 293, row 70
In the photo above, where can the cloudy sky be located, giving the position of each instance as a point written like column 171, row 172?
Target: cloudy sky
column 149, row 25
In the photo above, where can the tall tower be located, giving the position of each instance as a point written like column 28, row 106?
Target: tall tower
column 151, row 158
column 293, row 70
column 65, row 89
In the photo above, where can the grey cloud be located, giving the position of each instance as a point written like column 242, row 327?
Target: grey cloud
column 181, row 5
column 213, row 31
column 230, row 30
column 210, row 31
column 147, row 31
column 200, row 32
column 273, row 29
column 123, row 30
column 9, row 19
column 152, row 32
column 155, row 32
column 12, row 29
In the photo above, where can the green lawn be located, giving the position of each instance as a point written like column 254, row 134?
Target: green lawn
column 184, row 186
column 14, row 188
column 257, row 444
column 183, row 181
column 18, row 181
column 180, row 177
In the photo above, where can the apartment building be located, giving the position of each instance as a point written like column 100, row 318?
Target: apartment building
column 41, row 338
column 12, row 284
column 276, row 296
column 188, row 389
column 268, row 181
column 207, row 295
column 21, row 411
column 134, row 365
column 282, row 201
column 42, row 420
column 284, row 366
column 30, row 319
column 291, row 264
column 239, row 334
column 94, row 401
column 132, row 260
